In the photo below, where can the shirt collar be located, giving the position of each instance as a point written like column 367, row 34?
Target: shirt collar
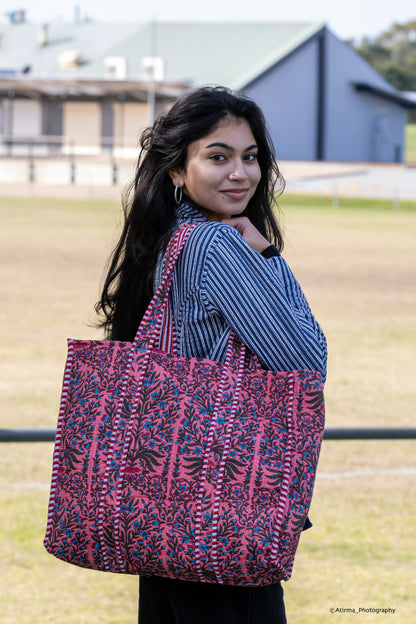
column 188, row 214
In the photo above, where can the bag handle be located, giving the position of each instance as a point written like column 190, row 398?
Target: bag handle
column 150, row 328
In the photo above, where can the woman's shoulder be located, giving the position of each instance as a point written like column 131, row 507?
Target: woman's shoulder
column 213, row 236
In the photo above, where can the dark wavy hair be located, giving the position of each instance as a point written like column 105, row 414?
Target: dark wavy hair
column 149, row 205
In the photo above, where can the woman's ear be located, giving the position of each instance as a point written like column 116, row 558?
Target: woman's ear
column 177, row 177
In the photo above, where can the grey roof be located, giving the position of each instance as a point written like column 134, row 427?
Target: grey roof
column 390, row 94
column 410, row 95
column 232, row 54
column 20, row 47
column 89, row 88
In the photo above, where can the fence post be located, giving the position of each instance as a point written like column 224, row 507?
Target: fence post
column 335, row 199
column 71, row 157
column 114, row 172
column 396, row 198
column 31, row 162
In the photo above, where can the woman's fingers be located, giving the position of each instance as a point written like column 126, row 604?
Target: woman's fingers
column 250, row 234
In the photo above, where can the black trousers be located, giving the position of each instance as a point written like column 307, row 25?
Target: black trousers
column 167, row 601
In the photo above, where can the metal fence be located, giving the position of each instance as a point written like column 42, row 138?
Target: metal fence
column 331, row 433
column 43, row 145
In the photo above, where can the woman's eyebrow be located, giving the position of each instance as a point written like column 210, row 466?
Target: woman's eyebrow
column 229, row 147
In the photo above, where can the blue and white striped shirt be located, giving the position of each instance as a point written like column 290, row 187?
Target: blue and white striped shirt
column 221, row 283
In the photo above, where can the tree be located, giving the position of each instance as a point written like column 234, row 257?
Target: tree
column 393, row 55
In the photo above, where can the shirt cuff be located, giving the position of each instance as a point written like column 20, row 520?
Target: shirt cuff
column 270, row 251
column 308, row 524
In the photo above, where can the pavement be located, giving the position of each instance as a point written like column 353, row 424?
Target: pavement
column 387, row 181
column 96, row 178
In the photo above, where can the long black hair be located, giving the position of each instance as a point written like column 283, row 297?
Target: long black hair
column 149, row 205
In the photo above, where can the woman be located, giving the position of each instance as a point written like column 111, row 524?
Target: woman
column 209, row 160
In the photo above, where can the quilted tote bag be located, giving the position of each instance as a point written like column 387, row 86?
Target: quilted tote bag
column 182, row 468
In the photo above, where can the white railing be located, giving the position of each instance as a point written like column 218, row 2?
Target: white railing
column 48, row 145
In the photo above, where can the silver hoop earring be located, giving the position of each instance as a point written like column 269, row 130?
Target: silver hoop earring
column 178, row 194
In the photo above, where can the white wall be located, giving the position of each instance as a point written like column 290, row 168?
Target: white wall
column 82, row 127
column 130, row 119
column 27, row 117
column 21, row 118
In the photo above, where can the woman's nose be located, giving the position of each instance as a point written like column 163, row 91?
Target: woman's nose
column 239, row 171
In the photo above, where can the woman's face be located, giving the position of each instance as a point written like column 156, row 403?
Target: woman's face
column 222, row 171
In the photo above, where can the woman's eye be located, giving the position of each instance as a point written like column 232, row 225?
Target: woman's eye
column 251, row 157
column 218, row 157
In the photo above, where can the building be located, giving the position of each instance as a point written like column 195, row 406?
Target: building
column 62, row 91
column 79, row 116
column 90, row 87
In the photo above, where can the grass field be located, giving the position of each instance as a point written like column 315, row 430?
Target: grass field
column 356, row 264
column 410, row 156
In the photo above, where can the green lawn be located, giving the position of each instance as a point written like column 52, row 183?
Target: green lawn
column 356, row 265
column 410, row 156
column 359, row 204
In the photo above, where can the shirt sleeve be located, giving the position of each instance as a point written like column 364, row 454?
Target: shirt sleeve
column 263, row 303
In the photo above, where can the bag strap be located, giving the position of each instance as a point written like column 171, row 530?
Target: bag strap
column 150, row 327
column 167, row 340
column 151, row 331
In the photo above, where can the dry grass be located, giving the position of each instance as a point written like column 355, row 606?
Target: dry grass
column 357, row 269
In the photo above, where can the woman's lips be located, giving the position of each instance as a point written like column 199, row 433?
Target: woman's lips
column 237, row 193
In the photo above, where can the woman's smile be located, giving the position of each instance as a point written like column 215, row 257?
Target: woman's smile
column 235, row 193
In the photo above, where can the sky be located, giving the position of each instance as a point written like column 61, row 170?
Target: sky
column 351, row 19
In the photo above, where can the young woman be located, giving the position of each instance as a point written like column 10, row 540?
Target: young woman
column 209, row 160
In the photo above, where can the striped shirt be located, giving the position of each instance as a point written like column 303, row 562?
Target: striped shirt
column 221, row 283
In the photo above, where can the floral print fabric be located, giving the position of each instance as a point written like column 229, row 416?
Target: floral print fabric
column 178, row 467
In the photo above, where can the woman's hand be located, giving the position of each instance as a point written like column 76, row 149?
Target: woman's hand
column 250, row 234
